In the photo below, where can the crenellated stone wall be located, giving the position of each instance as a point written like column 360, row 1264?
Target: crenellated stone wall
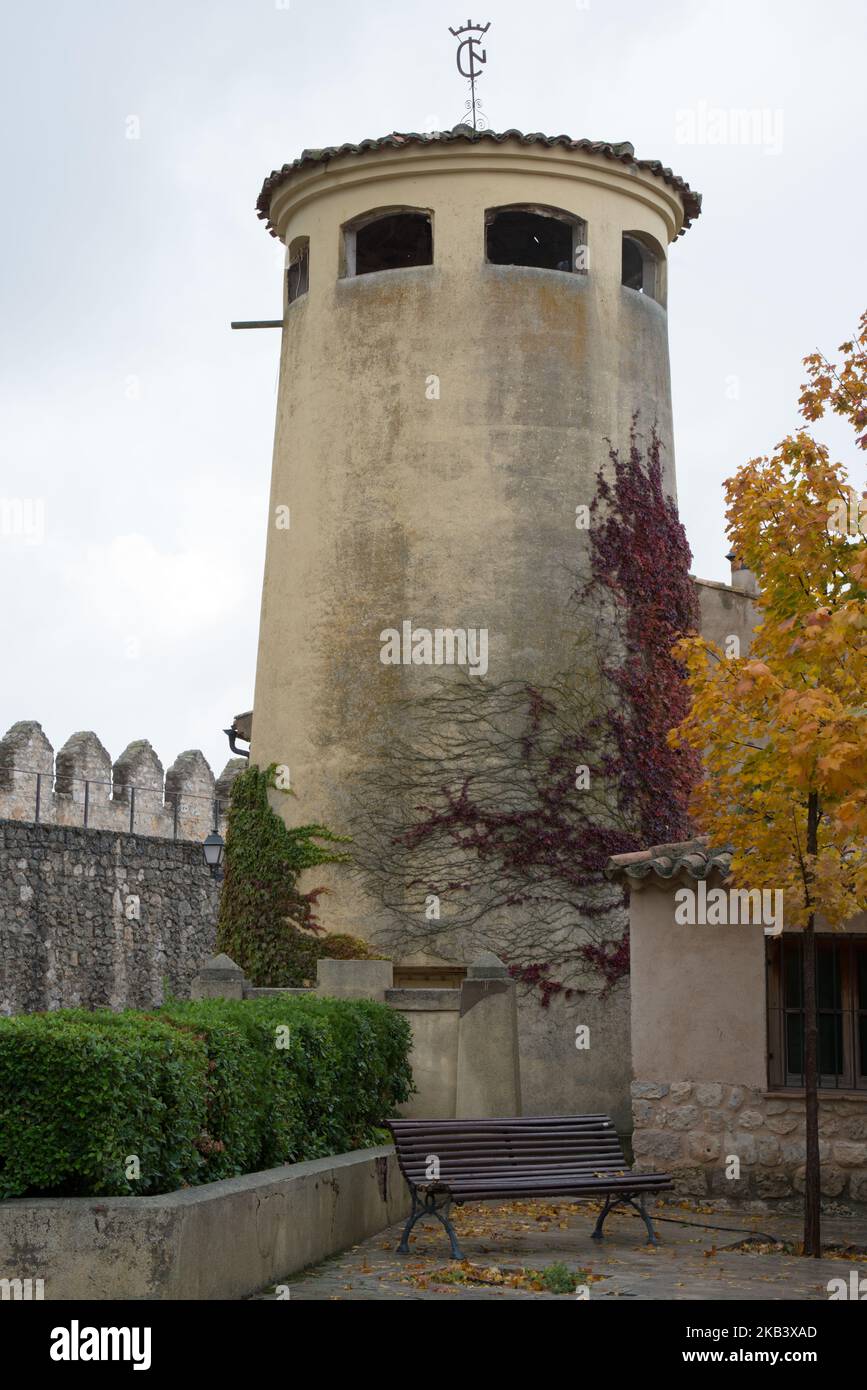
column 694, row 1129
column 105, row 897
column 95, row 918
column 81, row 786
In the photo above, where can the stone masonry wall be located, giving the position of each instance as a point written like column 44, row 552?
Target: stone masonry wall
column 91, row 917
column 691, row 1128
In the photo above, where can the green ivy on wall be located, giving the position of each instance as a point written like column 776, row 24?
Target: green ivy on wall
column 266, row 924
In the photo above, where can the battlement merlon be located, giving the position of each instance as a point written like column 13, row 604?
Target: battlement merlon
column 80, row 786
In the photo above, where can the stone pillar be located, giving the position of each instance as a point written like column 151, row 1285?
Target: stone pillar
column 354, row 979
column 489, row 1077
column 434, row 1017
column 219, row 978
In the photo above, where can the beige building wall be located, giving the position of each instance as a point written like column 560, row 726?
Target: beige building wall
column 456, row 512
column 698, row 995
column 726, row 612
column 700, row 1093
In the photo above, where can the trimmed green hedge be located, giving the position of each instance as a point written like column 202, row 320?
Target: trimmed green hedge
column 197, row 1091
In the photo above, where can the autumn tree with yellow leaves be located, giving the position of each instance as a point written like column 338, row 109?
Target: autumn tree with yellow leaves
column 783, row 731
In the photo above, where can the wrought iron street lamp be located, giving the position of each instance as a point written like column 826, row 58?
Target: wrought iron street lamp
column 213, row 851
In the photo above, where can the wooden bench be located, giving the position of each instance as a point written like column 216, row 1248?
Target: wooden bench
column 449, row 1162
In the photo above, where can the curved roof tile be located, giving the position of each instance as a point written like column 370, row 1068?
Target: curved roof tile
column 621, row 151
column 693, row 859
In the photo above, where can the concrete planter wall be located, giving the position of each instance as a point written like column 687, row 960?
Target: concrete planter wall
column 219, row 1241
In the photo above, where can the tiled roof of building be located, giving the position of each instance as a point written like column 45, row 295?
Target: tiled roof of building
column 686, row 859
column 621, row 151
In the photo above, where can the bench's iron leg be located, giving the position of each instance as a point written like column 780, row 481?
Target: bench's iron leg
column 651, row 1234
column 628, row 1200
column 417, row 1211
column 428, row 1207
column 442, row 1214
column 597, row 1233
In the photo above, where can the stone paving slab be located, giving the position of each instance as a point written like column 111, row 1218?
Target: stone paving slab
column 691, row 1263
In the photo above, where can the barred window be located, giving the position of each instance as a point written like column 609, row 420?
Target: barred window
column 841, row 1002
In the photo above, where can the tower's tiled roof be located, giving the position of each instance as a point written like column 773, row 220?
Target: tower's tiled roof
column 621, row 151
column 687, row 859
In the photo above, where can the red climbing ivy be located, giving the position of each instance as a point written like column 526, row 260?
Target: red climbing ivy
column 496, row 814
column 641, row 557
column 640, row 554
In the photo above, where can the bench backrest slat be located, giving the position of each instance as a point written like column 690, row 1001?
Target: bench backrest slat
column 510, row 1149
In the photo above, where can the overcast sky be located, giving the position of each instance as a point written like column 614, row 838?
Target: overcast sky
column 143, row 425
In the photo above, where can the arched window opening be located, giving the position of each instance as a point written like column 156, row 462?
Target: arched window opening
column 388, row 241
column 633, row 265
column 547, row 239
column 643, row 266
column 298, row 269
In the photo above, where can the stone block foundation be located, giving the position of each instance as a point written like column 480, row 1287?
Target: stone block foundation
column 694, row 1130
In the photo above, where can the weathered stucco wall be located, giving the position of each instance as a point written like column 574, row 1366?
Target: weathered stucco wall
column 559, row 1078
column 448, row 508
column 89, row 917
column 698, row 995
column 726, row 612
column 450, row 512
column 434, row 1016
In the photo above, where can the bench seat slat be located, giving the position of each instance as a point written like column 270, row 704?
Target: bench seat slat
column 539, row 1191
column 551, row 1182
column 562, row 1185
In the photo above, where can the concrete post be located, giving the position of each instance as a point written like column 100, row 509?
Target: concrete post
column 489, row 1077
column 354, row 979
column 219, row 978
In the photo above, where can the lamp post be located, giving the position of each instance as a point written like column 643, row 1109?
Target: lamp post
column 213, row 849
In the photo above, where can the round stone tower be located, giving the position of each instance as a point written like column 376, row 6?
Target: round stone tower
column 467, row 318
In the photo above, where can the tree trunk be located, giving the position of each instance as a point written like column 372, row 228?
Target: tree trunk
column 812, row 1174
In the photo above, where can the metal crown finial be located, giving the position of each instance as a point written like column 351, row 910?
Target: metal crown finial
column 470, row 25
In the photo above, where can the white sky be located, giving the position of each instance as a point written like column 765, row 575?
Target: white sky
column 124, row 260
